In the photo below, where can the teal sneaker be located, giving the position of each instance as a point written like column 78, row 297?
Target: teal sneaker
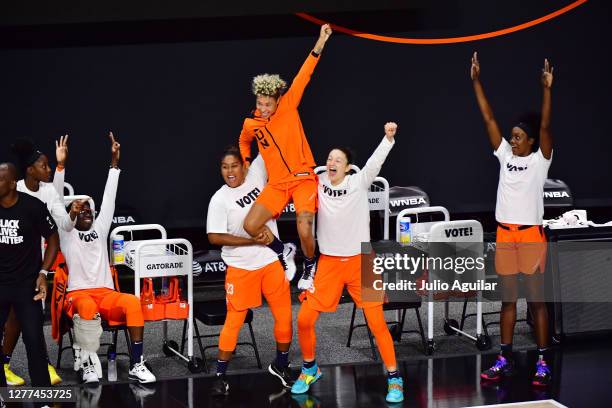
column 395, row 390
column 307, row 377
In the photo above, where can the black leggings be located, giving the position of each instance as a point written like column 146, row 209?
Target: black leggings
column 29, row 313
column 534, row 288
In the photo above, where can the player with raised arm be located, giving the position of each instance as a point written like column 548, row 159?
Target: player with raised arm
column 277, row 127
column 91, row 294
column 343, row 223
column 519, row 211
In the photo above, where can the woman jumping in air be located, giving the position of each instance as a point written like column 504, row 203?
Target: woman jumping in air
column 281, row 141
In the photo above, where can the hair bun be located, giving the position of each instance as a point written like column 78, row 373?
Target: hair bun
column 23, row 148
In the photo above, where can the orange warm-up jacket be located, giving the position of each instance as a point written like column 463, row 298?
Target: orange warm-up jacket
column 280, row 138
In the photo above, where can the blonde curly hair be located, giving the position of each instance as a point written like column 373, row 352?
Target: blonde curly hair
column 268, row 85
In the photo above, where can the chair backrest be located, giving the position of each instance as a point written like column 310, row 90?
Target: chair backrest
column 213, row 268
column 378, row 199
column 68, row 187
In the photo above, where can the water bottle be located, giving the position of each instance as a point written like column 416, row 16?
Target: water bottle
column 118, row 250
column 112, row 365
column 405, row 232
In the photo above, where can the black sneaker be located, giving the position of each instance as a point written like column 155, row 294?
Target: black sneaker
column 283, row 373
column 220, row 386
column 502, row 367
column 542, row 375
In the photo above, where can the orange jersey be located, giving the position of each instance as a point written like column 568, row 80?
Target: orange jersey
column 280, row 138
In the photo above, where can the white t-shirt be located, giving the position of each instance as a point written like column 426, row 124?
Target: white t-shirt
column 520, row 192
column 86, row 252
column 343, row 218
column 47, row 194
column 227, row 210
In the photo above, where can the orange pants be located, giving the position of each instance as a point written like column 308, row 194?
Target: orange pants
column 243, row 290
column 114, row 307
column 520, row 251
column 275, row 197
column 333, row 273
column 375, row 317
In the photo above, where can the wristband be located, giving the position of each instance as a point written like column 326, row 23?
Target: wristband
column 44, row 272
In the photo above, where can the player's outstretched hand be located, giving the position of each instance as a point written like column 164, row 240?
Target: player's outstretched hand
column 115, row 150
column 390, row 130
column 475, row 69
column 547, row 74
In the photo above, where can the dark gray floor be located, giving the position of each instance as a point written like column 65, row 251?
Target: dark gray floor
column 332, row 331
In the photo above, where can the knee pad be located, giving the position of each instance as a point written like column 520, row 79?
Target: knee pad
column 87, row 333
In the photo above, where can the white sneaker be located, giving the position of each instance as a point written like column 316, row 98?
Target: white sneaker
column 141, row 373
column 288, row 260
column 89, row 373
column 307, row 278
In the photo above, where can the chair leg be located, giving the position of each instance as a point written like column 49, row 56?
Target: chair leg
column 128, row 342
column 113, row 344
column 401, row 326
column 371, row 338
column 60, row 351
column 255, row 346
column 183, row 337
column 352, row 327
column 484, row 327
column 197, row 335
column 463, row 316
column 421, row 331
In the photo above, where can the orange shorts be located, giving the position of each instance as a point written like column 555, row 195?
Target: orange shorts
column 332, row 274
column 114, row 307
column 243, row 288
column 275, row 197
column 520, row 250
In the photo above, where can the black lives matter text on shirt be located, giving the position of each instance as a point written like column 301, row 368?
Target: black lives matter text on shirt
column 21, row 227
